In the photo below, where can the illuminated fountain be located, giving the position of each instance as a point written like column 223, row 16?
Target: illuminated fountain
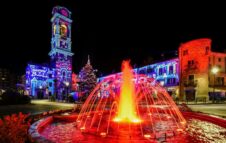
column 127, row 109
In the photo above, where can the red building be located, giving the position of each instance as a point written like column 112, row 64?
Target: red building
column 190, row 76
column 197, row 62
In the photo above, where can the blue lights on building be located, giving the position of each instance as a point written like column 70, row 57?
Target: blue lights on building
column 39, row 79
column 43, row 79
column 166, row 73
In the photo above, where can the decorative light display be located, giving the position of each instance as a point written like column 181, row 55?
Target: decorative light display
column 60, row 70
column 39, row 76
column 153, row 71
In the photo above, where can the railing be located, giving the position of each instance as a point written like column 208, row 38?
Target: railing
column 192, row 83
column 171, row 84
column 202, row 99
column 217, row 85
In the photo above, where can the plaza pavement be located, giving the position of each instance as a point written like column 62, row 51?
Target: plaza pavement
column 36, row 107
column 211, row 109
column 39, row 106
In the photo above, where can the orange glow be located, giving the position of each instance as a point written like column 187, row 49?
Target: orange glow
column 183, row 122
column 147, row 136
column 103, row 134
column 82, row 128
column 126, row 110
column 179, row 130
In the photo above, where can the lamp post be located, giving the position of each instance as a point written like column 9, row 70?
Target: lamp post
column 67, row 85
column 214, row 71
column 40, row 92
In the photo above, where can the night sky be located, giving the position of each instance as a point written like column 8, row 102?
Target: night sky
column 108, row 31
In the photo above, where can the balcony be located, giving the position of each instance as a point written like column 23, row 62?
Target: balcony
column 191, row 83
column 217, row 85
column 171, row 84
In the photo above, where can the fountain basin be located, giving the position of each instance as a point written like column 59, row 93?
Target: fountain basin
column 200, row 128
column 129, row 109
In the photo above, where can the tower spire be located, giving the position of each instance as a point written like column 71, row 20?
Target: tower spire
column 88, row 61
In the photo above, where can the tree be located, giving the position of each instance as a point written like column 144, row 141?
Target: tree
column 87, row 80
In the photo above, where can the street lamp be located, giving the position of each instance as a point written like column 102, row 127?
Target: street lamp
column 40, row 92
column 214, row 71
column 67, row 85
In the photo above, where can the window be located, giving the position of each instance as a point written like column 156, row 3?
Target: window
column 219, row 66
column 150, row 70
column 171, row 69
column 191, row 77
column 171, row 80
column 220, row 81
column 164, row 69
column 54, row 29
column 63, row 30
column 191, row 62
column 219, row 59
column 185, row 52
column 160, row 71
column 50, row 84
column 142, row 71
column 63, row 73
column 168, row 81
column 207, row 50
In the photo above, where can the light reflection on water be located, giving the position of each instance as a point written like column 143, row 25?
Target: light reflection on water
column 196, row 132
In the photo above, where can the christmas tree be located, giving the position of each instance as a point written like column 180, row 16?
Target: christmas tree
column 87, row 80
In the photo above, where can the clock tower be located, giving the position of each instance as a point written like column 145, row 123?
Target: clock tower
column 61, row 55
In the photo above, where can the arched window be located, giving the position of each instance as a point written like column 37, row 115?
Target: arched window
column 63, row 30
column 54, row 29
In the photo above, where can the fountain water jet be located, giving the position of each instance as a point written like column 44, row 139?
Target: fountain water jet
column 127, row 107
column 152, row 116
column 157, row 118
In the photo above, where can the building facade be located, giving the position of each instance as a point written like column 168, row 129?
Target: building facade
column 39, row 80
column 190, row 75
column 197, row 61
column 166, row 73
column 56, row 77
column 7, row 80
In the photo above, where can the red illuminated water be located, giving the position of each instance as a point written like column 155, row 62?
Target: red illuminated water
column 196, row 132
column 132, row 108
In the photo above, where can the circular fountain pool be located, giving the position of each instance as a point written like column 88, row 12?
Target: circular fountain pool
column 130, row 108
column 199, row 129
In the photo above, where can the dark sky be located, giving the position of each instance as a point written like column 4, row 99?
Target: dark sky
column 108, row 31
